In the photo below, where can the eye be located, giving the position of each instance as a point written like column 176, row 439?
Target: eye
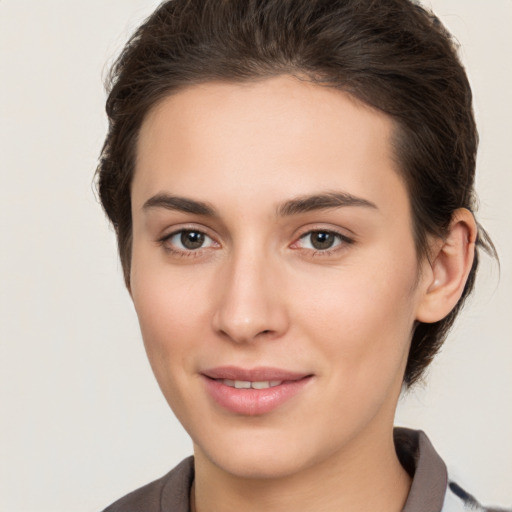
column 189, row 240
column 321, row 240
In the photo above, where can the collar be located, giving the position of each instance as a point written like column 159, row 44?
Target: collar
column 425, row 466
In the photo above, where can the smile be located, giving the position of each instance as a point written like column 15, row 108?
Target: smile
column 253, row 392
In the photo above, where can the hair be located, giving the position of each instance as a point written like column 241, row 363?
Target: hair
column 392, row 55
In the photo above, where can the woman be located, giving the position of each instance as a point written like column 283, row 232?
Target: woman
column 291, row 185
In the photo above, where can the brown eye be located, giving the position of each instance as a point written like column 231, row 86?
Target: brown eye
column 192, row 239
column 187, row 240
column 322, row 240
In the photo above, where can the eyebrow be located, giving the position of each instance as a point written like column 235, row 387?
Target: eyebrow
column 301, row 204
column 182, row 204
column 304, row 204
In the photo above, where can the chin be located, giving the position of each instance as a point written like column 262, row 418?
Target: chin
column 256, row 466
column 259, row 456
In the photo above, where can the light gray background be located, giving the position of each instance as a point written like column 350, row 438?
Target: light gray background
column 81, row 419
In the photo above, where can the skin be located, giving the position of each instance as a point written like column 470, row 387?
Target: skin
column 257, row 293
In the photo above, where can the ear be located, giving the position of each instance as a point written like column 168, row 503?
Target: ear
column 446, row 271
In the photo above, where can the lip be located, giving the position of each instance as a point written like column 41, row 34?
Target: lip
column 253, row 402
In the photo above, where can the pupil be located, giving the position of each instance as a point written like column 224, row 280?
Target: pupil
column 322, row 240
column 192, row 239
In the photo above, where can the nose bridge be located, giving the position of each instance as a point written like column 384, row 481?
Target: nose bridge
column 250, row 304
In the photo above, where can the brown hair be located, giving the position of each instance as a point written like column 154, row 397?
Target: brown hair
column 393, row 55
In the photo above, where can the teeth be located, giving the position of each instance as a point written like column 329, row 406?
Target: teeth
column 246, row 384
column 260, row 385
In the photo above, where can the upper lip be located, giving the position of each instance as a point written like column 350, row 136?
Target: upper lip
column 259, row 374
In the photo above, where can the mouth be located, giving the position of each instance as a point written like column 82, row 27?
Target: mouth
column 253, row 392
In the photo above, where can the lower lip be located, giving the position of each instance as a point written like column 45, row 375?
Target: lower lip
column 253, row 402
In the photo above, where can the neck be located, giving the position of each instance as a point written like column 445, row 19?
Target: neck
column 367, row 476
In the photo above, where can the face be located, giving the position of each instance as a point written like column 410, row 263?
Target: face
column 274, row 271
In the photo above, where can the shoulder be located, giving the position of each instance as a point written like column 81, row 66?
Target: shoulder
column 171, row 492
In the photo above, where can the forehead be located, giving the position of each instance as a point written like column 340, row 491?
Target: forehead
column 277, row 136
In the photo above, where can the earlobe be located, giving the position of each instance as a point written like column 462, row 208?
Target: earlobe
column 450, row 265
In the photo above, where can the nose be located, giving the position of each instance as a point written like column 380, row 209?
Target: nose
column 251, row 303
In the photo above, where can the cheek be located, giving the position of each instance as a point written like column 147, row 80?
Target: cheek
column 362, row 317
column 171, row 330
column 169, row 309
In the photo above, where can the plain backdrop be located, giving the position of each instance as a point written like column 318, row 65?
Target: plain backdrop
column 82, row 420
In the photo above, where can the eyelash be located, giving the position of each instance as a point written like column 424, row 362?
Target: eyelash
column 183, row 253
column 343, row 241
